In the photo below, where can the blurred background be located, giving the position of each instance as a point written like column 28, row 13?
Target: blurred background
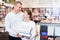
column 41, row 11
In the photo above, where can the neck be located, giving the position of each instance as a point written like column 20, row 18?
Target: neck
column 27, row 19
column 15, row 11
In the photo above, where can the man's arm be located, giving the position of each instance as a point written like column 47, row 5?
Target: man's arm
column 8, row 25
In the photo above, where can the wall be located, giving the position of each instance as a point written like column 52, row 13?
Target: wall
column 36, row 3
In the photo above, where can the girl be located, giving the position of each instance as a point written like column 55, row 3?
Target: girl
column 29, row 25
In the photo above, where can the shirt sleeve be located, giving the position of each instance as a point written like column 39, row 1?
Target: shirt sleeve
column 33, row 32
column 8, row 25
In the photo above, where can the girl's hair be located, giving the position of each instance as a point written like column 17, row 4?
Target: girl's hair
column 29, row 13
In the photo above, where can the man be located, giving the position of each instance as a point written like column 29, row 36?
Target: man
column 13, row 20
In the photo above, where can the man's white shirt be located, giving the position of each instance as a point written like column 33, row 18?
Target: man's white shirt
column 13, row 20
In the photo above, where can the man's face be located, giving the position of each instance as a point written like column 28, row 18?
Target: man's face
column 18, row 7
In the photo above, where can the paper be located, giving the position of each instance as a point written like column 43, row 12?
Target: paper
column 24, row 34
column 50, row 30
column 25, row 31
column 57, row 31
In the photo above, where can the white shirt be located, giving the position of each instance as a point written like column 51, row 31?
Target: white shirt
column 29, row 28
column 13, row 20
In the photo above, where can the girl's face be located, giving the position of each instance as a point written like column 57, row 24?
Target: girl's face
column 36, row 10
column 26, row 14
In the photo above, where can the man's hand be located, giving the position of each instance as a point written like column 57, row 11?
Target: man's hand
column 26, row 37
column 18, row 35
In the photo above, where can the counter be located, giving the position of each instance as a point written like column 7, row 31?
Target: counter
column 53, row 28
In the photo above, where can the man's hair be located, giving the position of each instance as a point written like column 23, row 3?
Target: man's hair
column 17, row 3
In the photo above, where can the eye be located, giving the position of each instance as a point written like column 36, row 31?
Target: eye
column 19, row 7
